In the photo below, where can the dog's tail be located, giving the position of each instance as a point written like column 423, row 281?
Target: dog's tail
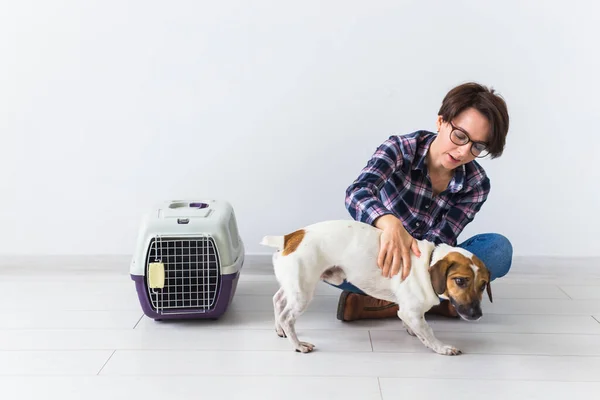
column 273, row 241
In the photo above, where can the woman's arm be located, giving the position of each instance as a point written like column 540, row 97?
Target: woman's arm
column 362, row 196
column 363, row 203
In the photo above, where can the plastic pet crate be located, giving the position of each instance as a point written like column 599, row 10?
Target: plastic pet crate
column 187, row 260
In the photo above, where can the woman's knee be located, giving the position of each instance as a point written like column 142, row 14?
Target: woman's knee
column 501, row 254
column 494, row 249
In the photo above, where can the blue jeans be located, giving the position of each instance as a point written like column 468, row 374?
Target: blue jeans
column 493, row 249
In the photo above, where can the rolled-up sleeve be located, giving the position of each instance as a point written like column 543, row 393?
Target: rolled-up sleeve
column 362, row 196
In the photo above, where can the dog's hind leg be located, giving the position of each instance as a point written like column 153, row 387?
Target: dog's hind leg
column 279, row 303
column 296, row 303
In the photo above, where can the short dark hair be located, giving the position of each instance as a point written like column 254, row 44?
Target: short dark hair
column 487, row 102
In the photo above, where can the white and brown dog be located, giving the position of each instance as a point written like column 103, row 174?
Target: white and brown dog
column 336, row 250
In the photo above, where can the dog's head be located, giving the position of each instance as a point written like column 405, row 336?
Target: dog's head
column 461, row 277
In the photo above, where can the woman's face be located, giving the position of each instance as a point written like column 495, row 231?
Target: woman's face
column 470, row 124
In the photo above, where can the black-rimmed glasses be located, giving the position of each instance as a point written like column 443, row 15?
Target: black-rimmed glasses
column 461, row 138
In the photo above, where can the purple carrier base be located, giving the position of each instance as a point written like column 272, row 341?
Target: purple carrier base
column 226, row 292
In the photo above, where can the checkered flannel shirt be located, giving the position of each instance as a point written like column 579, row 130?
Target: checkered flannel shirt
column 395, row 181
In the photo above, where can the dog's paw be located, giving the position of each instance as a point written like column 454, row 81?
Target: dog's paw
column 408, row 330
column 280, row 332
column 448, row 350
column 305, row 347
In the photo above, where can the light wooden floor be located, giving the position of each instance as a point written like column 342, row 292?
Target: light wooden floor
column 77, row 332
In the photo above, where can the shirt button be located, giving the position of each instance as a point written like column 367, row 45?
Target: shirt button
column 418, row 224
column 427, row 206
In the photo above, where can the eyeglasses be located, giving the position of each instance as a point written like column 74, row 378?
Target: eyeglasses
column 460, row 137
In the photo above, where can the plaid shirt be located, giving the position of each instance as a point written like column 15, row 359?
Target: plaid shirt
column 395, row 181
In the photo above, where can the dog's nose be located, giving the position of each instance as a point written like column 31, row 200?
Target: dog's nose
column 475, row 312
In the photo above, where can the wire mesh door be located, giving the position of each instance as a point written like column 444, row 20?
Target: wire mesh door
column 192, row 274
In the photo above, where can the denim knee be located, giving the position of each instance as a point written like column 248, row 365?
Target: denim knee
column 494, row 249
column 502, row 254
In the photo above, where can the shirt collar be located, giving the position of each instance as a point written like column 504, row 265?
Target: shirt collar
column 458, row 180
column 423, row 143
column 420, row 163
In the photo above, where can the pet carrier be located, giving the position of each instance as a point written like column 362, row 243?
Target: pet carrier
column 187, row 260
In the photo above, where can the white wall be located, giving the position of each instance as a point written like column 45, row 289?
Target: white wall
column 107, row 107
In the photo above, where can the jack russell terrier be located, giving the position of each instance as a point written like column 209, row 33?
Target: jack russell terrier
column 336, row 250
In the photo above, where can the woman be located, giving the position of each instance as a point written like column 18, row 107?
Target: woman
column 428, row 186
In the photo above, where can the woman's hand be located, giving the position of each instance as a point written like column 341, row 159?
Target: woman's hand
column 395, row 246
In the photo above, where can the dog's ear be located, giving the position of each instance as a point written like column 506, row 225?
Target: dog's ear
column 438, row 273
column 489, row 291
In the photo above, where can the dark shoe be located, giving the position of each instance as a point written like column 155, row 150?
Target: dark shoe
column 354, row 306
column 444, row 309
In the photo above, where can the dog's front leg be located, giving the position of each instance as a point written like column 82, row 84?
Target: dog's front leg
column 408, row 330
column 421, row 329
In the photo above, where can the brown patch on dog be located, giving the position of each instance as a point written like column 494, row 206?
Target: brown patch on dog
column 291, row 241
column 439, row 274
column 485, row 276
column 455, row 266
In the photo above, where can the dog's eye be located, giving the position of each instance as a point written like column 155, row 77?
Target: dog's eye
column 460, row 281
column 483, row 287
